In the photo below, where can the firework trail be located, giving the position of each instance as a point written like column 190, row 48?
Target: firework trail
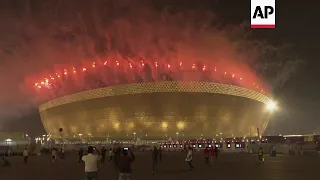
column 44, row 40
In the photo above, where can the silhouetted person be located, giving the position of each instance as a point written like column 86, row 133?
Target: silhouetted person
column 54, row 155
column 62, row 155
column 125, row 164
column 206, row 155
column 116, row 157
column 25, row 155
column 103, row 154
column 189, row 158
column 80, row 153
column 216, row 152
column 155, row 154
column 160, row 154
column 111, row 154
column 260, row 154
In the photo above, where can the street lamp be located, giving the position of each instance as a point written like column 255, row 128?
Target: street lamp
column 177, row 133
column 134, row 136
column 271, row 107
column 80, row 137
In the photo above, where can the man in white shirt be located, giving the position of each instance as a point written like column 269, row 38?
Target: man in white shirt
column 25, row 155
column 91, row 164
column 189, row 158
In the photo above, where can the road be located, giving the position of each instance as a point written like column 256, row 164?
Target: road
column 229, row 166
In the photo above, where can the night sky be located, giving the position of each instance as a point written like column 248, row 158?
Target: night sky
column 299, row 99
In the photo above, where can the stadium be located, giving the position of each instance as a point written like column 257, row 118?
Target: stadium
column 150, row 101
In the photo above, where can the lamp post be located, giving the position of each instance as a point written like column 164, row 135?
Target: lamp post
column 134, row 136
column 80, row 137
column 61, row 138
column 271, row 107
column 177, row 133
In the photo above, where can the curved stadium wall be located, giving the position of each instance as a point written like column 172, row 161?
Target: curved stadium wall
column 156, row 111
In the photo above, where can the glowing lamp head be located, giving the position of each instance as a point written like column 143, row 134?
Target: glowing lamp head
column 169, row 66
column 271, row 105
column 84, row 69
column 105, row 63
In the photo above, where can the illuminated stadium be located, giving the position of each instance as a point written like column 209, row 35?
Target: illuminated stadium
column 123, row 100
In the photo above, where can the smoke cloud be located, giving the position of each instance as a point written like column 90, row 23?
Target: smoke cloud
column 38, row 38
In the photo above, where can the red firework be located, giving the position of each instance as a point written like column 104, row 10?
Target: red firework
column 109, row 73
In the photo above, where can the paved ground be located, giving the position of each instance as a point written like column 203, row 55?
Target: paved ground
column 229, row 166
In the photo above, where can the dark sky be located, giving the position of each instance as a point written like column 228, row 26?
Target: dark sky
column 296, row 23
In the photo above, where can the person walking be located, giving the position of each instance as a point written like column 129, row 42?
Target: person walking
column 189, row 158
column 91, row 164
column 103, row 154
column 206, row 155
column 117, row 154
column 111, row 154
column 25, row 155
column 216, row 152
column 125, row 164
column 54, row 155
column 260, row 155
column 154, row 159
column 80, row 154
column 160, row 154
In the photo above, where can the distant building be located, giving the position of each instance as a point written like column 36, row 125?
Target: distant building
column 13, row 138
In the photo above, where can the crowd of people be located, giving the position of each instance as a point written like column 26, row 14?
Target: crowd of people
column 120, row 157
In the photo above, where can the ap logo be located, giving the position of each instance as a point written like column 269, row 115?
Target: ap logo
column 263, row 14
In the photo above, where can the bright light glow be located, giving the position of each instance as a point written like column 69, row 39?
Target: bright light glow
column 271, row 105
column 8, row 140
column 164, row 125
column 48, row 83
column 204, row 68
column 180, row 125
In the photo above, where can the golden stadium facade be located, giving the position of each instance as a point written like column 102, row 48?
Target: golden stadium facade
column 157, row 110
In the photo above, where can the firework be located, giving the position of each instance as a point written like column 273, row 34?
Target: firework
column 103, row 73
